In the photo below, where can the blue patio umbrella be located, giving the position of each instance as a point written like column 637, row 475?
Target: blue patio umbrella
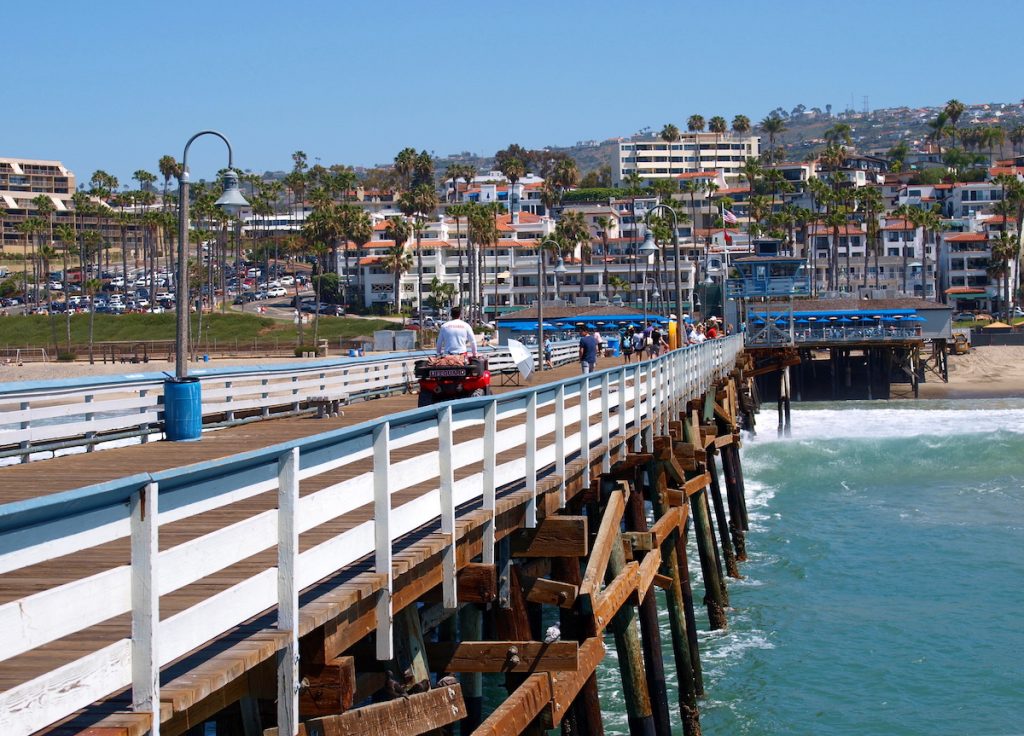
column 802, row 321
column 845, row 321
column 591, row 325
column 914, row 318
column 759, row 321
column 889, row 320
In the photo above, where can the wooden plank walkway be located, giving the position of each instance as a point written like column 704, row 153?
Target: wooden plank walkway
column 350, row 589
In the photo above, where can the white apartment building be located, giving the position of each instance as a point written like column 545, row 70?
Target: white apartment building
column 657, row 159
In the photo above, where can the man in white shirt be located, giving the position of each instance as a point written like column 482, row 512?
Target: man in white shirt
column 456, row 336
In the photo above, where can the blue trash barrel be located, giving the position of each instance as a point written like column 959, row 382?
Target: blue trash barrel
column 353, row 353
column 183, row 409
column 614, row 345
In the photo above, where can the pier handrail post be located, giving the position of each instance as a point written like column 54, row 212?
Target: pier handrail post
column 637, row 414
column 288, row 592
column 606, row 425
column 489, row 491
column 560, row 442
column 530, row 456
column 382, row 539
column 585, row 428
column 447, row 476
column 622, row 412
column 145, row 604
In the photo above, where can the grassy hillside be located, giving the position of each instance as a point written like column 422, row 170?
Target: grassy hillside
column 35, row 331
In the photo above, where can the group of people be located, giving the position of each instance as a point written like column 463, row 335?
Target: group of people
column 648, row 342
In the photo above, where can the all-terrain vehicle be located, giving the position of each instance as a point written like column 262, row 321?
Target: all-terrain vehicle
column 452, row 377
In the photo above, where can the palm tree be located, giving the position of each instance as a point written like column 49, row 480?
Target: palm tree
column 357, row 228
column 514, row 170
column 953, row 110
column 605, row 224
column 670, row 134
column 906, row 212
column 1016, row 136
column 774, row 126
column 566, row 174
column 839, row 133
column 48, row 253
column 30, row 228
column 66, row 234
column 398, row 260
column 483, row 229
column 940, row 129
column 575, row 234
column 717, row 125
column 870, row 200
column 695, row 123
column 90, row 287
column 750, row 171
column 741, row 124
column 404, row 165
column 1004, row 250
column 419, row 204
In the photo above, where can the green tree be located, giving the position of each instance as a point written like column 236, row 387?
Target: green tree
column 573, row 231
column 906, row 213
column 404, row 166
column 838, row 134
column 953, row 110
column 695, row 123
column 604, row 225
column 670, row 134
column 718, row 126
column 741, row 124
column 419, row 204
column 774, row 126
column 398, row 260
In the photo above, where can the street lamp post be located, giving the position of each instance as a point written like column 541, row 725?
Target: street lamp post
column 231, row 201
column 675, row 248
column 647, row 249
column 182, row 396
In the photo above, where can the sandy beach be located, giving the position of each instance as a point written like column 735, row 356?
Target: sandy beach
column 990, row 372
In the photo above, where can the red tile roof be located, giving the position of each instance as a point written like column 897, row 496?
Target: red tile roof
column 966, row 238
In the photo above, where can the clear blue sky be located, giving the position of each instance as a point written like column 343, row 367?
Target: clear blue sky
column 116, row 84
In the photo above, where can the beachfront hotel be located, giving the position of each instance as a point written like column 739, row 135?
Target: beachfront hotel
column 658, row 159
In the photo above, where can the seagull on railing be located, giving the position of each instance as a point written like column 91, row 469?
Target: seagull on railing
column 552, row 635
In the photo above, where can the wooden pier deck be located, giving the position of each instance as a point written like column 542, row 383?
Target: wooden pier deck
column 338, row 612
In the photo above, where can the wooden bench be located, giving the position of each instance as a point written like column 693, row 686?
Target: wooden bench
column 326, row 406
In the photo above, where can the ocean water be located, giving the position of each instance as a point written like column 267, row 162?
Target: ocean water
column 884, row 593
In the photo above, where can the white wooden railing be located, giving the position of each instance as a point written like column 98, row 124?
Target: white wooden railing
column 39, row 417
column 139, row 506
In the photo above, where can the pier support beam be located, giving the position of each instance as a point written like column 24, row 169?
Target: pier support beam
column 681, row 625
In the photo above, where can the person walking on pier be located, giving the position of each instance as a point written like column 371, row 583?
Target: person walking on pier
column 588, row 350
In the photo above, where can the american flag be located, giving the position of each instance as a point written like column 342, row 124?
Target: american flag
column 728, row 217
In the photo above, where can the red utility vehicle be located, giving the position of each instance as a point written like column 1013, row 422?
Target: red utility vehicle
column 446, row 378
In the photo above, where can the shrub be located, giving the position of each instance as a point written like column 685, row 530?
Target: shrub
column 300, row 349
column 66, row 357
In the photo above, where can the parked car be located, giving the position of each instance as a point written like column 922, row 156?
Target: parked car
column 276, row 291
column 964, row 317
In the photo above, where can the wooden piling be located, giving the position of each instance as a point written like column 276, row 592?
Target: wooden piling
column 586, row 707
column 713, row 598
column 471, row 629
column 736, row 526
column 636, row 520
column 624, row 626
column 684, row 640
column 728, row 553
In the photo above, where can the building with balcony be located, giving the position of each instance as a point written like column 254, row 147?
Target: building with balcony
column 695, row 152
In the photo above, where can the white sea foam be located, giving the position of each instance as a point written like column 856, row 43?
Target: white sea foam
column 891, row 419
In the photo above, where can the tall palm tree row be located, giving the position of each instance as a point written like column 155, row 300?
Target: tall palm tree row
column 671, row 135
